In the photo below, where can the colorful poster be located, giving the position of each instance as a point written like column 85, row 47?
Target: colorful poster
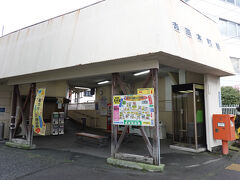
column 136, row 110
column 145, row 91
column 39, row 126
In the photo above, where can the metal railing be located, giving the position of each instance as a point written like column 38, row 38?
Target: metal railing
column 82, row 106
column 229, row 109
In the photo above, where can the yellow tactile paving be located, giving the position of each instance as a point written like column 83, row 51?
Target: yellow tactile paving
column 234, row 167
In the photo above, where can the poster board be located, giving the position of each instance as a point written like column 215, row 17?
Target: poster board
column 136, row 110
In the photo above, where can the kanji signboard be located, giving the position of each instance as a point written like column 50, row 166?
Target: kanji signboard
column 136, row 110
column 145, row 91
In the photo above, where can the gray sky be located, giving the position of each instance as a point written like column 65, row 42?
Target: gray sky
column 16, row 14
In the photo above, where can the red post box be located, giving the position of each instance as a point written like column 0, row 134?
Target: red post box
column 224, row 129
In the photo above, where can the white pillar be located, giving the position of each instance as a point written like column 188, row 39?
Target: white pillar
column 212, row 93
column 182, row 76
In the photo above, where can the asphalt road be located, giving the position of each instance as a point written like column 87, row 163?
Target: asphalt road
column 64, row 165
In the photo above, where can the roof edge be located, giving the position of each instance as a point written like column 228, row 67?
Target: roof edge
column 85, row 7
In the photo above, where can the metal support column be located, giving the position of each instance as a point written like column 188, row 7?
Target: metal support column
column 195, row 117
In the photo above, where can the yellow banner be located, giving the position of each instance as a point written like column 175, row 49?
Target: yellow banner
column 39, row 126
column 145, row 91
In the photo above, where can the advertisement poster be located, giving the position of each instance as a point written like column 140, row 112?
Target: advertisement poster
column 39, row 126
column 136, row 110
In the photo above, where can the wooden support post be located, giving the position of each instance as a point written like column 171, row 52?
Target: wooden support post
column 114, row 127
column 32, row 98
column 156, row 140
column 147, row 80
column 24, row 107
column 121, row 84
column 20, row 109
column 149, row 146
column 121, row 139
column 145, row 138
column 13, row 113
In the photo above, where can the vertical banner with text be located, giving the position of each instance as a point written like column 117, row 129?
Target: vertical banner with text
column 39, row 126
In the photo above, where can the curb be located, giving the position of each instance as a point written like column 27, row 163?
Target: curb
column 135, row 165
column 20, row 146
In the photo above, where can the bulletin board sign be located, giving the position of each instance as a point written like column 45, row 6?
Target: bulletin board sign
column 135, row 110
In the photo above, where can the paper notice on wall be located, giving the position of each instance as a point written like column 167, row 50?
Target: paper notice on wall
column 102, row 106
column 137, row 110
column 39, row 126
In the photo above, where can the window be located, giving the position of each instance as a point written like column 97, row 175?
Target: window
column 238, row 2
column 238, row 32
column 87, row 93
column 223, row 26
column 188, row 32
column 233, row 2
column 175, row 26
column 229, row 28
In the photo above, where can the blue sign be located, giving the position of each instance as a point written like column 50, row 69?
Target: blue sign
column 2, row 109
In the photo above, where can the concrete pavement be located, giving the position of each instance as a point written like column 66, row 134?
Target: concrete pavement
column 58, row 164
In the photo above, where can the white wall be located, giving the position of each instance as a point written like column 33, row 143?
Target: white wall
column 212, row 106
column 111, row 30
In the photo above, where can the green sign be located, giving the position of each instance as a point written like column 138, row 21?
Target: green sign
column 132, row 122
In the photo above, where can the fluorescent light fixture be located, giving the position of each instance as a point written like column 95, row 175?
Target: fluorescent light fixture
column 103, row 82
column 186, row 92
column 141, row 73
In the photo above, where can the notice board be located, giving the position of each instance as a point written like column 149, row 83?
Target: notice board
column 136, row 110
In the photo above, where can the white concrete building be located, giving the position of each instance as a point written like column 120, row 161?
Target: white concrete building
column 86, row 46
column 226, row 13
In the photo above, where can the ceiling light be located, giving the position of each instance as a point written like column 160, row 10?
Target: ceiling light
column 103, row 82
column 141, row 73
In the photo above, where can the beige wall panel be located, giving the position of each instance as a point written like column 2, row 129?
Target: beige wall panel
column 192, row 77
column 53, row 88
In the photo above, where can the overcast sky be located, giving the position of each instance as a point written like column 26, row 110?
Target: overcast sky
column 16, row 14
